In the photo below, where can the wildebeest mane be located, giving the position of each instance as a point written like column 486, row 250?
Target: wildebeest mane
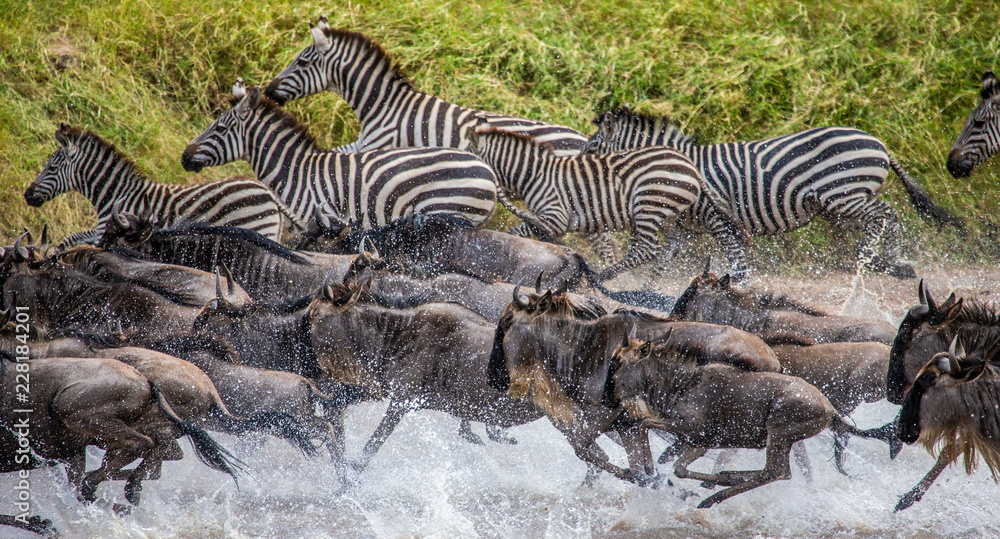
column 657, row 380
column 238, row 234
column 976, row 430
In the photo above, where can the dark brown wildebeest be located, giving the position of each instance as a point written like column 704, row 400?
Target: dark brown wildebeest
column 439, row 244
column 954, row 405
column 61, row 295
column 716, row 406
column 557, row 354
column 431, row 356
column 928, row 328
column 190, row 390
column 776, row 319
column 76, row 402
column 848, row 374
column 267, row 270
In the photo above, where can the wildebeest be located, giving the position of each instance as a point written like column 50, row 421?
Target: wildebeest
column 267, row 270
column 954, row 405
column 716, row 406
column 191, row 391
column 928, row 328
column 76, row 402
column 431, row 356
column 438, row 244
column 776, row 319
column 61, row 296
column 557, row 354
column 848, row 374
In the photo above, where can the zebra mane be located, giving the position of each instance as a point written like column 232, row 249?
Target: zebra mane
column 285, row 118
column 81, row 134
column 990, row 86
column 237, row 234
column 660, row 124
column 346, row 35
column 518, row 136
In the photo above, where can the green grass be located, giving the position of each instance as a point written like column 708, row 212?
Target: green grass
column 150, row 76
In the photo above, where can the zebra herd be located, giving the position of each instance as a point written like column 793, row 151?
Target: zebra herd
column 417, row 153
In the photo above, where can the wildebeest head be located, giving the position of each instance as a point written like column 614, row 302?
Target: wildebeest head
column 925, row 330
column 127, row 229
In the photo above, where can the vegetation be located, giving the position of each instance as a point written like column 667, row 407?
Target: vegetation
column 152, row 75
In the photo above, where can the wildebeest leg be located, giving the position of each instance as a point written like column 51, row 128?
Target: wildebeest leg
column 335, row 444
column 802, row 459
column 914, row 495
column 393, row 415
column 690, row 454
column 500, row 435
column 776, row 468
column 584, row 444
column 886, row 433
column 670, row 453
column 465, row 432
column 635, row 440
column 35, row 524
column 76, row 469
column 604, row 245
column 114, row 460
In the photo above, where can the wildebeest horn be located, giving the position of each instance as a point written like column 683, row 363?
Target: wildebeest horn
column 20, row 252
column 219, row 295
column 517, row 295
column 373, row 252
column 708, row 266
column 538, row 282
column 44, row 240
column 231, row 283
column 931, row 304
column 327, row 289
column 563, row 288
column 322, row 219
column 631, row 333
column 116, row 214
column 28, row 237
column 920, row 293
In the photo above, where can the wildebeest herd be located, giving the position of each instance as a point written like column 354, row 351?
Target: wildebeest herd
column 181, row 312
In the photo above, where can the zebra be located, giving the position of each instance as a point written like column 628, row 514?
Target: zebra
column 775, row 185
column 89, row 164
column 642, row 190
column 373, row 188
column 980, row 138
column 392, row 113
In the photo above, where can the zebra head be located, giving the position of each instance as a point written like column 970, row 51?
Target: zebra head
column 309, row 73
column 980, row 138
column 60, row 173
column 607, row 132
column 225, row 140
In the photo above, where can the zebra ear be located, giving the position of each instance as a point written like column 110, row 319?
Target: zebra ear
column 990, row 86
column 320, row 39
column 251, row 100
column 61, row 137
column 473, row 136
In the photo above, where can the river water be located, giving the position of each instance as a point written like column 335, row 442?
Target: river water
column 428, row 482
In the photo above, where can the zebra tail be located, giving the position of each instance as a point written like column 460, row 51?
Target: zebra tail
column 922, row 202
column 646, row 299
column 208, row 450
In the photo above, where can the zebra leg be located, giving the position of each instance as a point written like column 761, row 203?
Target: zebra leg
column 530, row 225
column 640, row 250
column 665, row 256
column 880, row 222
column 733, row 241
column 604, row 245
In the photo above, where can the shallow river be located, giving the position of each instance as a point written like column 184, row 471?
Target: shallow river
column 427, row 482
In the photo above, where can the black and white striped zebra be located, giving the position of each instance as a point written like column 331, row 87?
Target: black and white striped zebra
column 392, row 113
column 776, row 185
column 642, row 190
column 87, row 163
column 372, row 188
column 980, row 138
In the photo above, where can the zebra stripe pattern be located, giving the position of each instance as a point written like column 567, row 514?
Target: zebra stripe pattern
column 391, row 112
column 373, row 188
column 776, row 185
column 87, row 163
column 642, row 190
column 980, row 138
